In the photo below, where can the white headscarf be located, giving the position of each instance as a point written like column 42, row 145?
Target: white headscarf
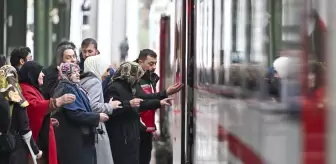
column 281, row 65
column 287, row 66
column 96, row 65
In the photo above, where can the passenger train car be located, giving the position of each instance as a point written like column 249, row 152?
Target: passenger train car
column 255, row 77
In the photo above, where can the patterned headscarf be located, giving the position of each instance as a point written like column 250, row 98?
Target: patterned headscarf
column 10, row 87
column 130, row 72
column 66, row 70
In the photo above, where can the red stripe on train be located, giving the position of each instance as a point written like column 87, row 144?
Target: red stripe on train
column 238, row 148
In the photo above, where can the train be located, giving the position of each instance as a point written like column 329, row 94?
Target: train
column 256, row 81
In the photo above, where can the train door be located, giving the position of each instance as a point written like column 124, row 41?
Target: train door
column 164, row 146
column 179, row 107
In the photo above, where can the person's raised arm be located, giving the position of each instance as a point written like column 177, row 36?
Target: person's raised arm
column 154, row 104
column 94, row 89
column 172, row 89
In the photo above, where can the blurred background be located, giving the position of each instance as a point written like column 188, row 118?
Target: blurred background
column 41, row 25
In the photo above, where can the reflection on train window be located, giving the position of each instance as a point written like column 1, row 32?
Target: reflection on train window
column 274, row 29
column 241, row 32
column 237, row 57
column 217, row 42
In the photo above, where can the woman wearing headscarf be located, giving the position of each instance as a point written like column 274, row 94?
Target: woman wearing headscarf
column 91, row 81
column 75, row 135
column 31, row 78
column 17, row 127
column 123, row 125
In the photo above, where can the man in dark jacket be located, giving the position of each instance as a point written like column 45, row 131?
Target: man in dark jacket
column 147, row 85
column 19, row 56
column 89, row 48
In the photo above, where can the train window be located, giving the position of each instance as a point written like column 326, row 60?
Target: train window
column 226, row 39
column 198, row 37
column 200, row 41
column 207, row 40
column 284, row 39
column 204, row 41
column 217, row 46
column 208, row 54
column 291, row 36
column 210, row 41
column 248, row 14
column 274, row 29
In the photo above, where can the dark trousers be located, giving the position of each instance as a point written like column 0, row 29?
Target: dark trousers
column 145, row 147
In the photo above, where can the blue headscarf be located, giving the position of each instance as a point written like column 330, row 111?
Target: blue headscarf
column 108, row 78
column 82, row 101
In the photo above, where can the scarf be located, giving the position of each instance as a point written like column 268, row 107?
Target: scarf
column 9, row 86
column 130, row 72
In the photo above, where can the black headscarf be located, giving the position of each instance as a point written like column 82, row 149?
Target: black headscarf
column 30, row 72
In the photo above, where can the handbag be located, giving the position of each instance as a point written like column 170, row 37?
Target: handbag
column 7, row 140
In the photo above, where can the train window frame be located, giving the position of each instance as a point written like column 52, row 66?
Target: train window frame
column 227, row 38
column 275, row 30
column 217, row 48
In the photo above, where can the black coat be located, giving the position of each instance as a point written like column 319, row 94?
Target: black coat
column 75, row 135
column 123, row 125
column 19, row 127
column 50, row 81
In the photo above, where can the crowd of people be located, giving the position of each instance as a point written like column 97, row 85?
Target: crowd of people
column 79, row 110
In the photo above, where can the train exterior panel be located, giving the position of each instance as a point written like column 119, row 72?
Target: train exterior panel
column 254, row 81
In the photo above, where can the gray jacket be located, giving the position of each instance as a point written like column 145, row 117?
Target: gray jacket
column 93, row 86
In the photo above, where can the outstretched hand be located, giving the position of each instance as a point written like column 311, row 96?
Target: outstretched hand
column 172, row 89
column 166, row 102
column 65, row 99
column 135, row 102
